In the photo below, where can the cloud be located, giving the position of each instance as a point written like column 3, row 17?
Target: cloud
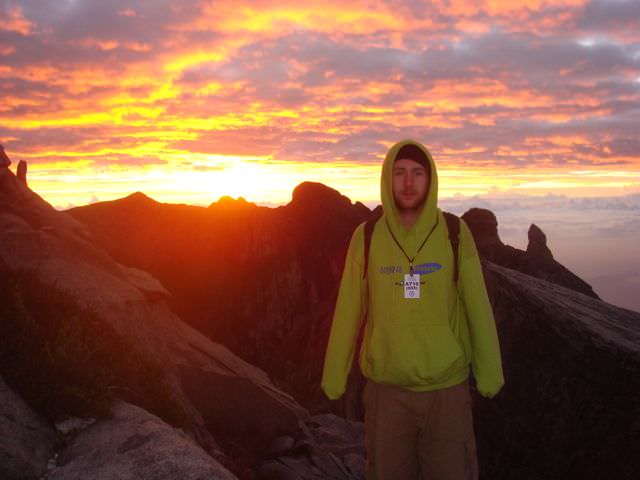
column 546, row 87
column 127, row 12
column 12, row 19
column 611, row 15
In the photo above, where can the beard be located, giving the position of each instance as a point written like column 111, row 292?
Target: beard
column 410, row 203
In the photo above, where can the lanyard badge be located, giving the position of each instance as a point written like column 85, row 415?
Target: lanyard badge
column 411, row 280
column 412, row 285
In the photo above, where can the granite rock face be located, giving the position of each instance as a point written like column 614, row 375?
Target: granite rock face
column 26, row 440
column 569, row 408
column 133, row 445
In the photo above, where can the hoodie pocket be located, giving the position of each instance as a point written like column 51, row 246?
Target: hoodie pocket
column 410, row 354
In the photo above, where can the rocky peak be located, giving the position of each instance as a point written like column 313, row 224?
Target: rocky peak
column 231, row 204
column 4, row 159
column 316, row 195
column 538, row 243
column 22, row 171
column 138, row 197
column 484, row 227
column 227, row 200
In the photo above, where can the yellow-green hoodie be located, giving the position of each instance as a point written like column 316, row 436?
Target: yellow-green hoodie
column 419, row 344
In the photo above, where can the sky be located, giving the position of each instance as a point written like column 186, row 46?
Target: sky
column 533, row 104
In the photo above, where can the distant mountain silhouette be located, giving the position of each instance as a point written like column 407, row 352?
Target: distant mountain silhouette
column 262, row 282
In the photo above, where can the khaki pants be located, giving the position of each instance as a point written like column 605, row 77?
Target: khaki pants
column 419, row 435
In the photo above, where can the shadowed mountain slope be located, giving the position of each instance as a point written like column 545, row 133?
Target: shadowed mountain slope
column 241, row 274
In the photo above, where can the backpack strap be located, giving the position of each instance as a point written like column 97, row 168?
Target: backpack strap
column 368, row 232
column 453, row 225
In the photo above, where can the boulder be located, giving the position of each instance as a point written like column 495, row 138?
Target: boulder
column 26, row 440
column 134, row 444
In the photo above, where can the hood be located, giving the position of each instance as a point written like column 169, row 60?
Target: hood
column 411, row 239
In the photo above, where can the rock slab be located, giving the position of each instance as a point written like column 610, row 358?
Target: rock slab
column 26, row 440
column 132, row 445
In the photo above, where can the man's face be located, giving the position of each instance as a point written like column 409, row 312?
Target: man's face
column 410, row 184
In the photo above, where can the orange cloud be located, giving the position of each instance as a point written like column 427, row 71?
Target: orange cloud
column 127, row 12
column 13, row 20
column 535, row 16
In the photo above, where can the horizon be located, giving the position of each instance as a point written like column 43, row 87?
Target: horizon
column 583, row 237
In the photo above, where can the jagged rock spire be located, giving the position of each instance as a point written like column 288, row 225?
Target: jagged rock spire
column 538, row 243
column 4, row 159
column 22, row 171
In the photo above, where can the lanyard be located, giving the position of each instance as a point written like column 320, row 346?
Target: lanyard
column 410, row 260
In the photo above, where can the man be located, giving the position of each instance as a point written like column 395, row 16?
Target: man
column 423, row 330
